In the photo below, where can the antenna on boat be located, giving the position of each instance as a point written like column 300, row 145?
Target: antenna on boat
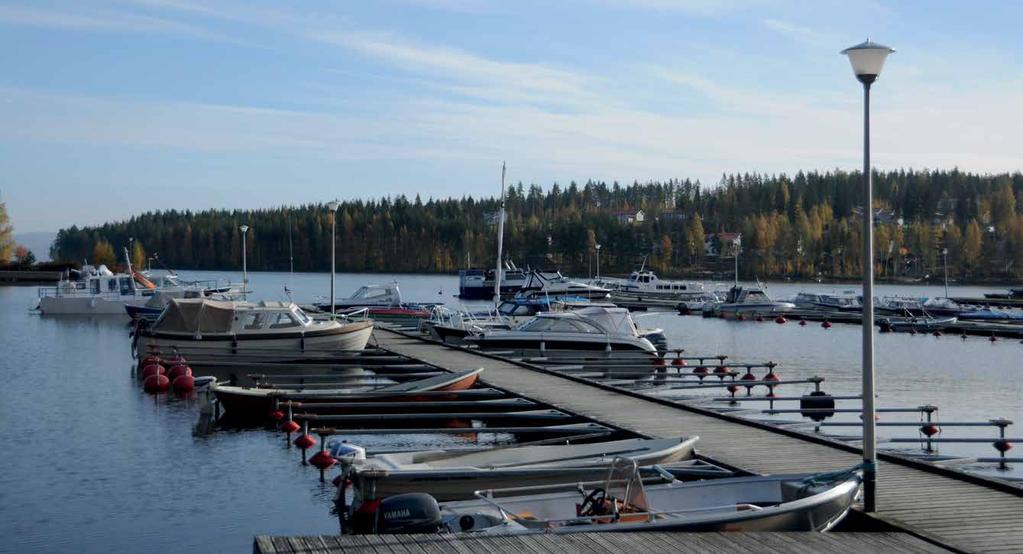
column 500, row 241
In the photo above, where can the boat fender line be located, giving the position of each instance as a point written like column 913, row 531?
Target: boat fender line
column 832, row 476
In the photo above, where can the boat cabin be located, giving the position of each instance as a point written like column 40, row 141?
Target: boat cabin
column 198, row 316
column 375, row 295
column 744, row 295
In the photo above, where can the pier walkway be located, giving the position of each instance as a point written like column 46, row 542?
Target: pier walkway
column 954, row 510
column 600, row 543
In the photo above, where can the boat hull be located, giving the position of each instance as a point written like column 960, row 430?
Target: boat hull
column 253, row 405
column 352, row 336
column 95, row 305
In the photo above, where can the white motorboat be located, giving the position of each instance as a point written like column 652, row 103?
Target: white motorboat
column 844, row 302
column 98, row 291
column 454, row 475
column 595, row 328
column 554, row 283
column 801, row 502
column 478, row 284
column 646, row 283
column 226, row 328
column 749, row 301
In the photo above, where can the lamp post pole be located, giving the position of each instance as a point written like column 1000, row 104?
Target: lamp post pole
column 597, row 246
column 332, row 205
column 245, row 267
column 944, row 262
column 867, row 59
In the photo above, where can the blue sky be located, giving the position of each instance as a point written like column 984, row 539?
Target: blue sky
column 111, row 108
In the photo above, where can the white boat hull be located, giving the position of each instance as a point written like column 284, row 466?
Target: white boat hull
column 353, row 336
column 87, row 305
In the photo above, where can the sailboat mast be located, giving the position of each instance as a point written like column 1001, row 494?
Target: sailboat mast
column 500, row 240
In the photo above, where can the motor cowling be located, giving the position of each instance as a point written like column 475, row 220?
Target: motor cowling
column 408, row 513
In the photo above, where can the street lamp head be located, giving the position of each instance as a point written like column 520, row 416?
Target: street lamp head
column 244, row 229
column 867, row 59
column 333, row 205
column 597, row 246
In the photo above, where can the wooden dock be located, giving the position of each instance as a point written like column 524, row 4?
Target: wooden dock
column 600, row 543
column 955, row 510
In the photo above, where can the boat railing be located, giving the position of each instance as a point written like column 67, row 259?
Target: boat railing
column 353, row 315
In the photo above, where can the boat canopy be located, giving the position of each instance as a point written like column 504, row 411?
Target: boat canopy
column 614, row 321
column 190, row 315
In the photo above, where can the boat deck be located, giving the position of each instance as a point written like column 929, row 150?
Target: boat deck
column 958, row 511
column 599, row 543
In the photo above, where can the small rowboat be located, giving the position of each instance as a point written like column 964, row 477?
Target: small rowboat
column 802, row 502
column 249, row 404
column 454, row 475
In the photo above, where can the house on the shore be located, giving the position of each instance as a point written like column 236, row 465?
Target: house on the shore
column 720, row 244
column 628, row 217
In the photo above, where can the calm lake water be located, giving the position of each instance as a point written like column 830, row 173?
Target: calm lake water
column 92, row 464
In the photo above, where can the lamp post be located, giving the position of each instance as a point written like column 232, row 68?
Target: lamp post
column 867, row 59
column 597, row 246
column 944, row 262
column 245, row 269
column 332, row 206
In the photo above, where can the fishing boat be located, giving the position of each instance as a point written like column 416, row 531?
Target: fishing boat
column 645, row 283
column 227, row 329
column 828, row 302
column 621, row 503
column 256, row 403
column 748, row 301
column 594, row 328
column 455, row 475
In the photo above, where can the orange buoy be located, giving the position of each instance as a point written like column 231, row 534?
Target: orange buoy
column 936, row 333
column 780, row 320
column 678, row 362
column 802, row 322
column 150, row 359
column 305, row 441
column 156, row 383
column 732, row 389
column 322, row 460
column 184, row 382
column 177, row 370
column 826, row 324
column 930, row 429
column 290, row 426
column 276, row 415
column 153, row 369
column 1002, row 445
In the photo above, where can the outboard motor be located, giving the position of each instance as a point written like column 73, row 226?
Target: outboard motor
column 408, row 513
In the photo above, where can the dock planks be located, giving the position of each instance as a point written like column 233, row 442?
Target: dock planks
column 600, row 543
column 921, row 502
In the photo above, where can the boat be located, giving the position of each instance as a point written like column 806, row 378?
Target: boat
column 844, row 302
column 553, row 283
column 382, row 303
column 645, row 283
column 1013, row 294
column 594, row 328
column 227, row 329
column 900, row 306
column 478, row 284
column 749, row 301
column 921, row 324
column 256, row 403
column 448, row 325
column 97, row 291
column 621, row 503
column 455, row 475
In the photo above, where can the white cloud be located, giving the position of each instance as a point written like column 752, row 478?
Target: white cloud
column 798, row 32
column 100, row 21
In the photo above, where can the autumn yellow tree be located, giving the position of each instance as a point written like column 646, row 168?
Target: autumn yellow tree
column 971, row 245
column 6, row 235
column 103, row 254
column 138, row 255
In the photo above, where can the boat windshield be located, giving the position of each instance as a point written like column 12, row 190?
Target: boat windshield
column 559, row 325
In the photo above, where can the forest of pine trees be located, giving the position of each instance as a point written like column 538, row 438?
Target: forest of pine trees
column 804, row 226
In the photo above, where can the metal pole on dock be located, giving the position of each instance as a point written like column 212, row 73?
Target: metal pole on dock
column 500, row 242
column 944, row 262
column 332, row 205
column 867, row 59
column 245, row 268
